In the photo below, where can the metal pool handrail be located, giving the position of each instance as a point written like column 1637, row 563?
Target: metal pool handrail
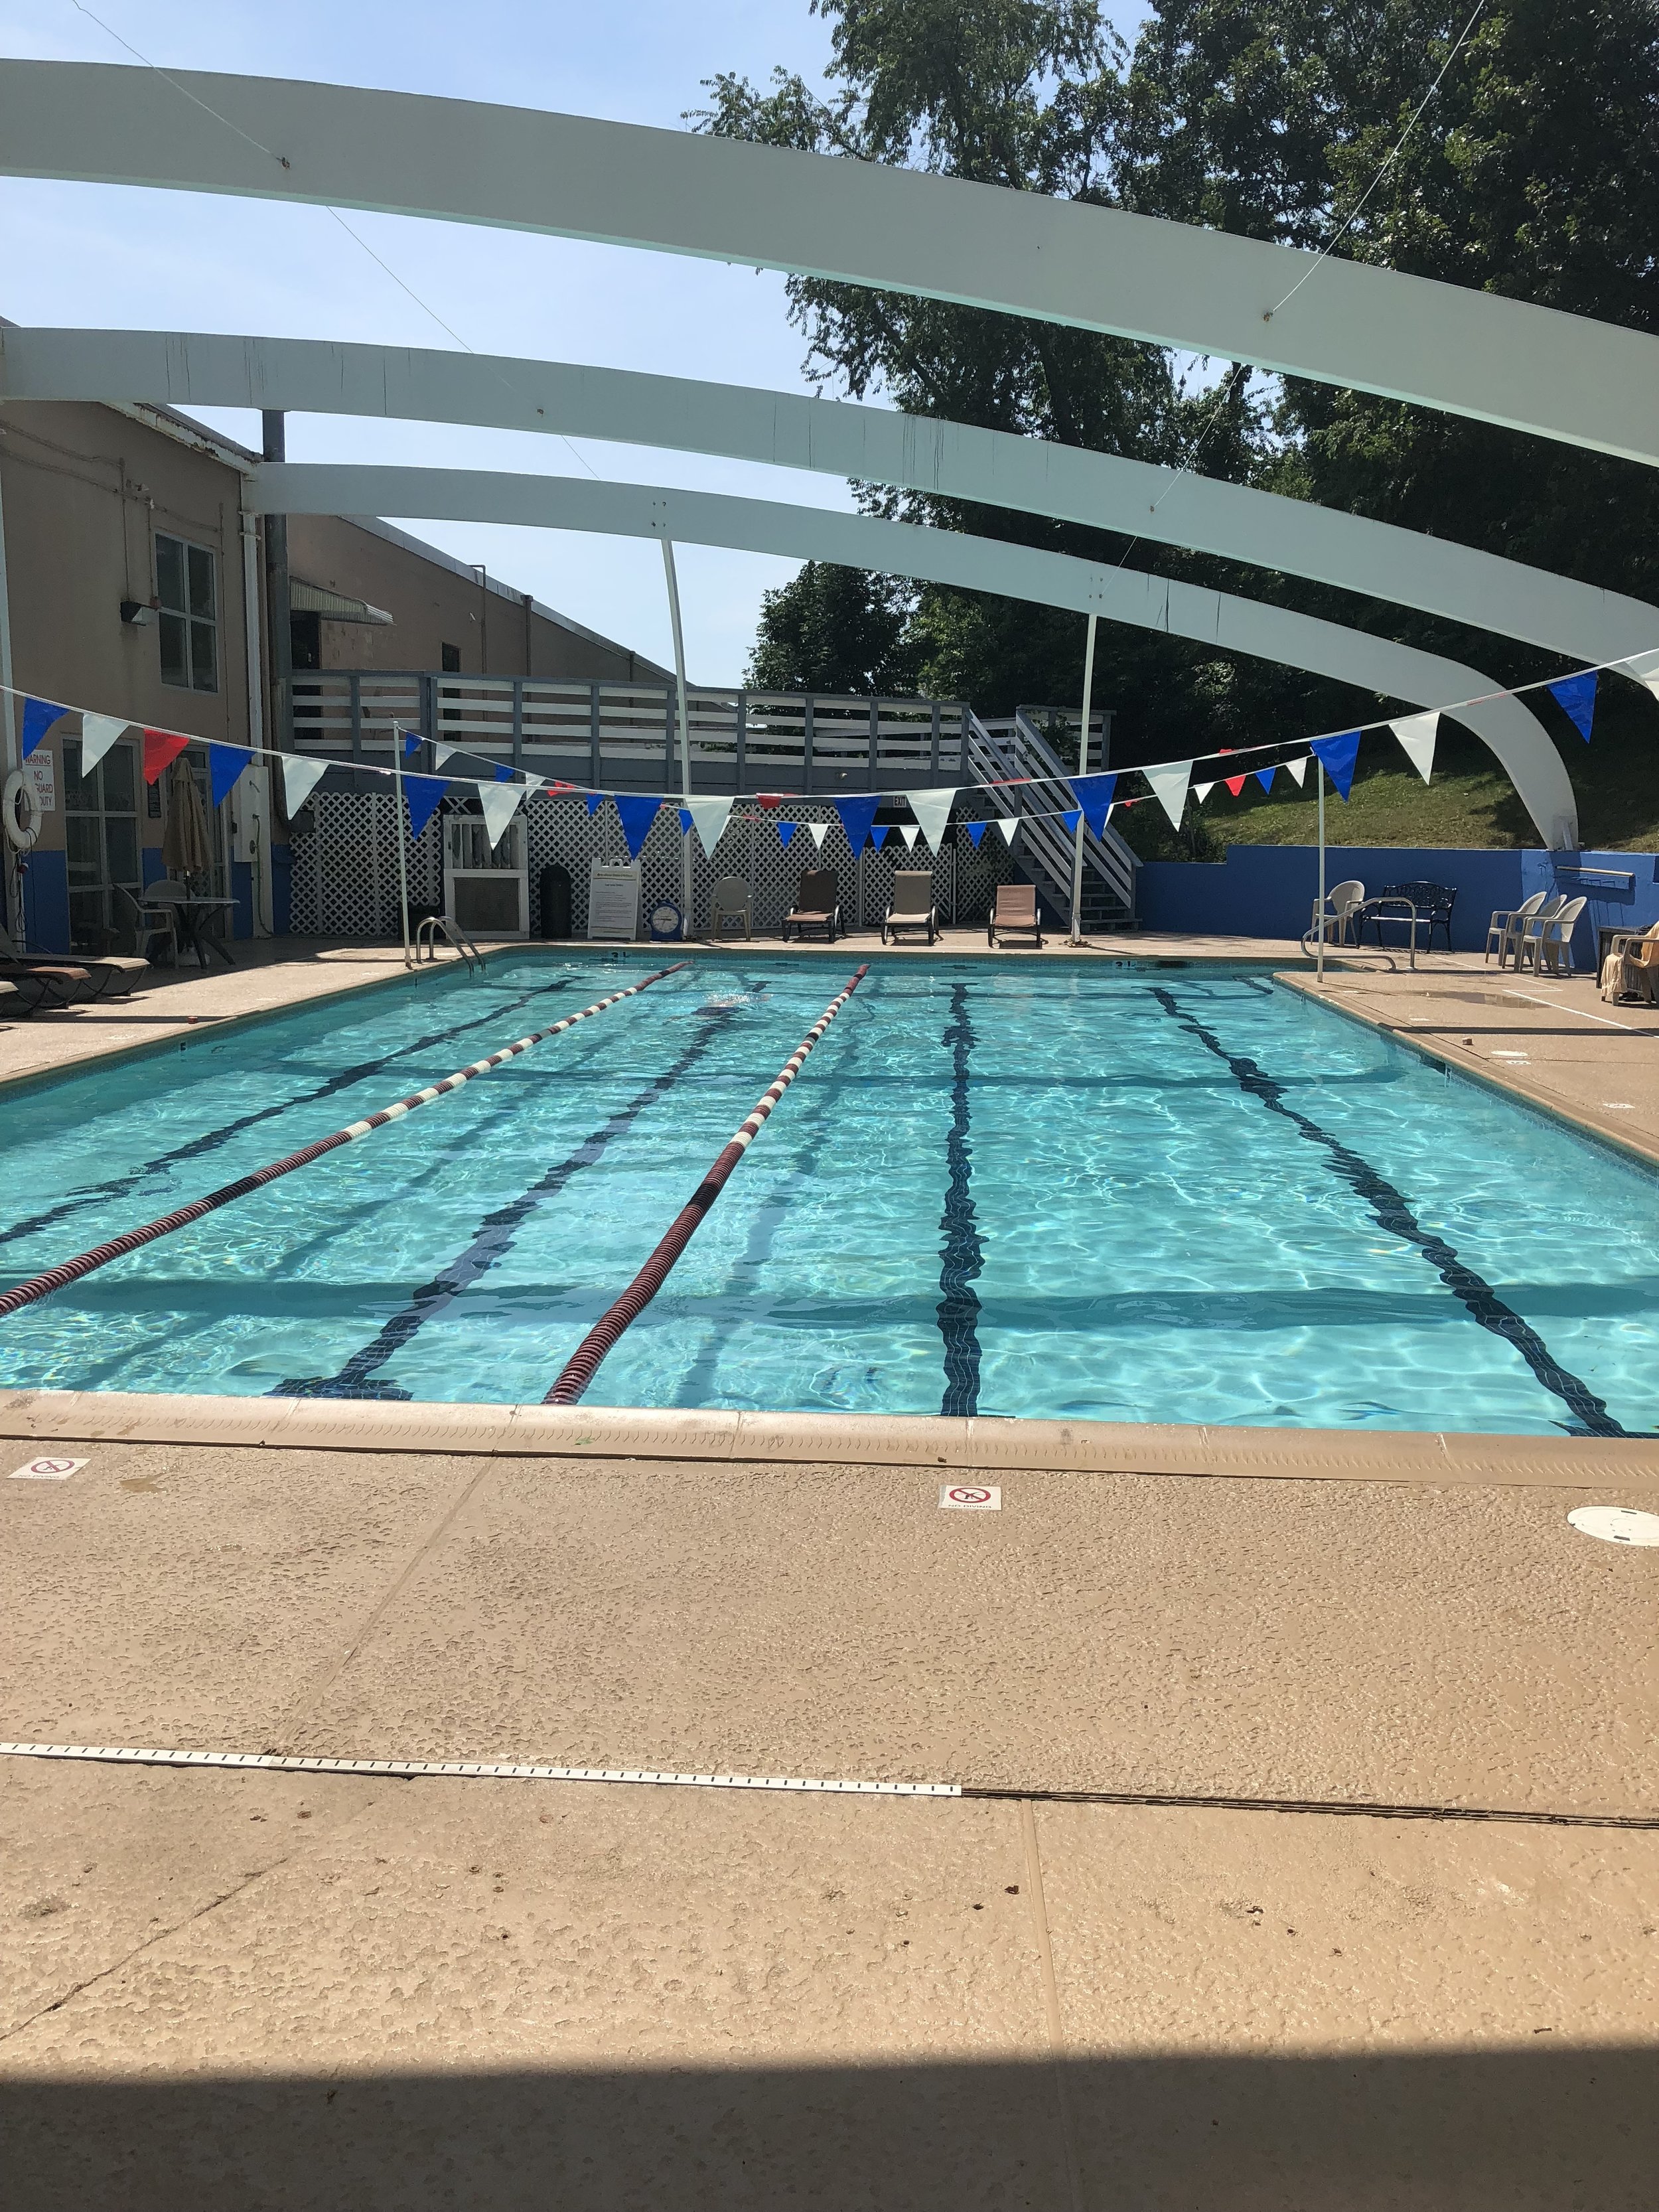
column 70, row 1271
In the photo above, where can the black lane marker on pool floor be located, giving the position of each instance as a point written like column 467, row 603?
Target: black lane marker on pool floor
column 1394, row 1214
column 211, row 1139
column 495, row 1239
column 963, row 1255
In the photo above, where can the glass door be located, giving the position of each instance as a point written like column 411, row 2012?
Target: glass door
column 101, row 821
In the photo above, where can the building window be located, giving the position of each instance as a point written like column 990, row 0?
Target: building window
column 189, row 616
column 100, row 822
column 306, row 636
column 451, row 660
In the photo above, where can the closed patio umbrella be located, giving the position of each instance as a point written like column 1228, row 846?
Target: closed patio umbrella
column 184, row 849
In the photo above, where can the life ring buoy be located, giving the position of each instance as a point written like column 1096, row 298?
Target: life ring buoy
column 20, row 812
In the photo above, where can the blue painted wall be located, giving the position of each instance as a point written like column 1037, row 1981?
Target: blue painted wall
column 46, row 902
column 1269, row 890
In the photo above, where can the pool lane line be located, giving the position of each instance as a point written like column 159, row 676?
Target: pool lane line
column 1394, row 1214
column 584, row 1362
column 494, row 1240
column 211, row 1139
column 132, row 1240
column 963, row 1255
column 503, row 1770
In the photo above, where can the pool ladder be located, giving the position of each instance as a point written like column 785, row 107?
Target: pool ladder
column 427, row 935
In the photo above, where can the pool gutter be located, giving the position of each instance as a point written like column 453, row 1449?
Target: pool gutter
column 976, row 1446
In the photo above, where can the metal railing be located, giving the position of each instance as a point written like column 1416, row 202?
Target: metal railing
column 433, row 925
column 625, row 735
column 1016, row 753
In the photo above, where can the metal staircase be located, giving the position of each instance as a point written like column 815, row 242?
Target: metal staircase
column 1015, row 752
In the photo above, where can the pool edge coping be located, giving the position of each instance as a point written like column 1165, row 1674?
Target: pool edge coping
column 1446, row 1056
column 973, row 1446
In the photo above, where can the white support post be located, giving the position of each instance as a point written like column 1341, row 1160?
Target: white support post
column 1319, row 963
column 1082, row 769
column 255, row 820
column 402, row 865
column 11, row 891
column 685, row 731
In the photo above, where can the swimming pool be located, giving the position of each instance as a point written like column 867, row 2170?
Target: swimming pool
column 1023, row 1188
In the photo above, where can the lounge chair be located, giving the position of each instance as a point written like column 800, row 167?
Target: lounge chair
column 49, row 983
column 912, row 906
column 109, row 974
column 1342, row 905
column 1016, row 912
column 730, row 900
column 817, row 905
column 1504, row 930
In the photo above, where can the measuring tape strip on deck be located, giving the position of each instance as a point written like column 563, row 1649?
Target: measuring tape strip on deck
column 469, row 1770
column 70, row 1271
column 584, row 1362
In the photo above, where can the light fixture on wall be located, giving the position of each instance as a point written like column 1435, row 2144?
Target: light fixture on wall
column 137, row 614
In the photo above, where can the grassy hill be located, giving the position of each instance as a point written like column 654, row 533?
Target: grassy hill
column 1471, row 802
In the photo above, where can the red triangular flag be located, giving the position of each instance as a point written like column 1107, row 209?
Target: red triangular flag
column 161, row 746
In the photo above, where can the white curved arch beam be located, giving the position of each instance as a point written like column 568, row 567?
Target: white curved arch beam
column 1439, row 345
column 1217, row 619
column 841, row 438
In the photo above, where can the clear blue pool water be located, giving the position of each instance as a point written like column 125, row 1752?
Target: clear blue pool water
column 1156, row 1195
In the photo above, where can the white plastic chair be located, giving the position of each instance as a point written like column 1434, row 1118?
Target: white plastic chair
column 730, row 900
column 1506, row 925
column 1553, row 946
column 1342, row 901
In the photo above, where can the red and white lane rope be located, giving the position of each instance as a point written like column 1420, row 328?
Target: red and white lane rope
column 71, row 1270
column 584, row 1362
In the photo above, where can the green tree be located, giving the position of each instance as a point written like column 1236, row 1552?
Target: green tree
column 833, row 630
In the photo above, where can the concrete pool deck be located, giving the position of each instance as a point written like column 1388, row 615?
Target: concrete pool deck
column 1130, row 1975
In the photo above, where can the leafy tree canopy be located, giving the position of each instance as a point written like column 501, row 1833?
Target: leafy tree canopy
column 1533, row 171
column 833, row 630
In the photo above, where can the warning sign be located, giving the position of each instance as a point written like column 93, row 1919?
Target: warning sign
column 47, row 1470
column 970, row 1497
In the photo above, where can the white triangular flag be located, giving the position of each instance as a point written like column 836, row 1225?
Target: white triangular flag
column 1201, row 792
column 1168, row 784
column 441, row 752
column 1007, row 824
column 710, row 816
column 300, row 779
column 1417, row 734
column 1644, row 668
column 98, row 734
column 820, row 830
column 1298, row 769
column 500, row 802
column 933, row 811
column 909, row 832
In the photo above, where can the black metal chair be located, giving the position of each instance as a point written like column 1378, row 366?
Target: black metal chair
column 1434, row 904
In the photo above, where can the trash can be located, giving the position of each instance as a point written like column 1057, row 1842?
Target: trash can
column 555, row 891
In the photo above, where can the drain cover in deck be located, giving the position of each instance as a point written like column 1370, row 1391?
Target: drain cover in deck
column 1616, row 1524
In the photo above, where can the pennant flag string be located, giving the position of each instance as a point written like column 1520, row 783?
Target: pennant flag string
column 636, row 810
column 300, row 777
column 1417, row 734
column 500, row 802
column 39, row 715
column 786, row 833
column 932, row 809
column 98, row 734
column 1340, row 756
column 422, row 793
column 225, row 764
column 1575, row 696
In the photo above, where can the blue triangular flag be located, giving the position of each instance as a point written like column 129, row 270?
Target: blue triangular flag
column 878, row 837
column 39, row 715
column 504, row 772
column 1093, row 794
column 1577, row 696
column 975, row 831
column 856, row 817
column 1264, row 776
column 786, row 831
column 1339, row 755
column 1071, row 818
column 637, row 811
column 595, row 800
column 422, row 792
column 225, row 764
column 685, row 821
column 411, row 738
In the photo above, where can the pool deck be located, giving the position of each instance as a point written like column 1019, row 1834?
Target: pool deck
column 1307, row 1850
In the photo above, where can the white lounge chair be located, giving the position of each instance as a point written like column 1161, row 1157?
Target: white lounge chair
column 730, row 900
column 1342, row 903
column 1547, row 940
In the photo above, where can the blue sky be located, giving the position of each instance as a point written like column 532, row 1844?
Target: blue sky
column 89, row 255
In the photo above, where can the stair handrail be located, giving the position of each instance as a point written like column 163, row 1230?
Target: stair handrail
column 1112, row 855
column 1036, row 774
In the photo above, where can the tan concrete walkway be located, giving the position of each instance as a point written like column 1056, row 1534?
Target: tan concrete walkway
column 265, row 1989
